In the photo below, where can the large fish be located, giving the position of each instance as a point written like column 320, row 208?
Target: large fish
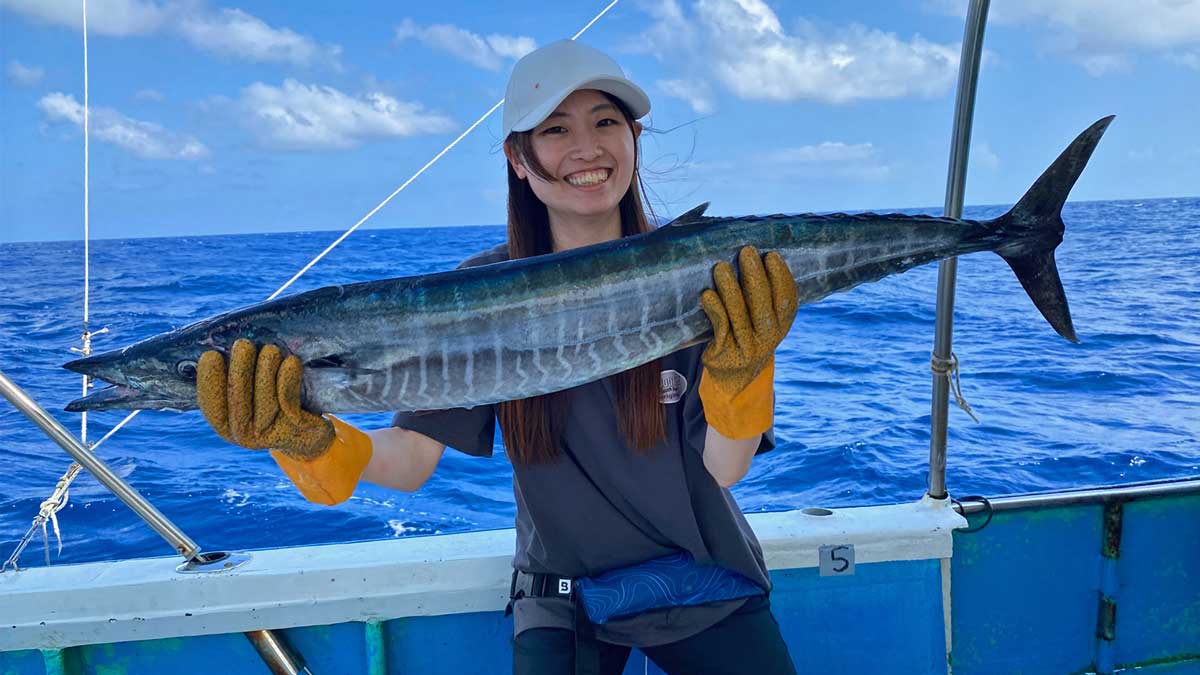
column 522, row 328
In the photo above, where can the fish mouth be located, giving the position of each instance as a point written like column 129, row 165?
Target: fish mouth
column 101, row 366
column 121, row 397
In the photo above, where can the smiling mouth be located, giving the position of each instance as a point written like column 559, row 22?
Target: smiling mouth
column 589, row 178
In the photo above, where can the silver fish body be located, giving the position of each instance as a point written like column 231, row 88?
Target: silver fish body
column 527, row 327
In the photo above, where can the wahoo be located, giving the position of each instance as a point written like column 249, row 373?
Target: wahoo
column 527, row 327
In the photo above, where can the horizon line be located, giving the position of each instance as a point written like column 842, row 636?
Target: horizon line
column 898, row 209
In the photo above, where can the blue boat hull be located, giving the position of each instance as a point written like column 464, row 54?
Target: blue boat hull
column 1051, row 590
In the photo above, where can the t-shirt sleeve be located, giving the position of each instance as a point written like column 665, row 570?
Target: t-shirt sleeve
column 472, row 431
column 695, row 426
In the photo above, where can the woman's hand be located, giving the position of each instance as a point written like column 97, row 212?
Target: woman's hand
column 255, row 402
column 749, row 321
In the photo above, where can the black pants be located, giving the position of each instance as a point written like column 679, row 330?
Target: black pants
column 745, row 642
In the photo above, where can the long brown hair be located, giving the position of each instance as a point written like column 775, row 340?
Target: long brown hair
column 532, row 427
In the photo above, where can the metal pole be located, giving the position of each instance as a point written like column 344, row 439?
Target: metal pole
column 280, row 659
column 956, row 180
column 125, row 492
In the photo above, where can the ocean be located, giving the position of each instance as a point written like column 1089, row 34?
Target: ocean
column 853, row 384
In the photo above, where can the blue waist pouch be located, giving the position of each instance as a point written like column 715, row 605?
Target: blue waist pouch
column 671, row 581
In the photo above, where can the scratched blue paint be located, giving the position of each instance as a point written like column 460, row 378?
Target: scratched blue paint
column 1025, row 593
column 1191, row 667
column 1158, row 614
column 376, row 648
column 25, row 662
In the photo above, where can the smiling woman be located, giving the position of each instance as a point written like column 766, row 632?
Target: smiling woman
column 579, row 163
column 624, row 477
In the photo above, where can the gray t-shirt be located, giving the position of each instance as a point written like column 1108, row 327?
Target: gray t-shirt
column 602, row 505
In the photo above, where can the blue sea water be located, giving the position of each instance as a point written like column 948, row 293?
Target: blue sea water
column 853, row 384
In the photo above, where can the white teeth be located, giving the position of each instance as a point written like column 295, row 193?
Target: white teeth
column 586, row 178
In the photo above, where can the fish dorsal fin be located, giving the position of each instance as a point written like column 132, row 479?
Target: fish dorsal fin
column 692, row 216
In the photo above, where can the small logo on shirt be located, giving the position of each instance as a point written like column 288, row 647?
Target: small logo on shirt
column 673, row 387
column 564, row 586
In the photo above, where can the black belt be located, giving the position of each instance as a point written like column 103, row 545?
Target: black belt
column 537, row 585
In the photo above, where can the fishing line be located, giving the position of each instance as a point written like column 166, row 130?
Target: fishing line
column 420, row 171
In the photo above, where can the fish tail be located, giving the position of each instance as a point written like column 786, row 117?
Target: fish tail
column 1032, row 229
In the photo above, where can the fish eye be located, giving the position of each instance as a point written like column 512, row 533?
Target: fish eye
column 186, row 370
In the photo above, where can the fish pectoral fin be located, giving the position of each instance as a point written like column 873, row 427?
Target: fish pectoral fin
column 692, row 216
column 328, row 361
column 340, row 362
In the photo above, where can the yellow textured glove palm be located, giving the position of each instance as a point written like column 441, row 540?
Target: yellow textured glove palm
column 749, row 321
column 255, row 403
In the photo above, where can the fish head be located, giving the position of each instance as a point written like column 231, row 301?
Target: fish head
column 158, row 373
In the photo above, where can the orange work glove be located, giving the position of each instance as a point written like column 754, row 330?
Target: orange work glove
column 750, row 319
column 255, row 403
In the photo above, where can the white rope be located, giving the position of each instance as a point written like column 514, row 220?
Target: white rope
column 948, row 368
column 87, row 342
column 594, row 19
column 114, row 430
column 383, row 203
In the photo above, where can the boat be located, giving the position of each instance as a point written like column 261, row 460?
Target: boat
column 1091, row 580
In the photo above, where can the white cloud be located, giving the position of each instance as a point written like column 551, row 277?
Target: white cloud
column 1188, row 59
column 23, row 75
column 297, row 116
column 858, row 161
column 105, row 17
column 696, row 93
column 828, row 151
column 747, row 50
column 1101, row 34
column 486, row 52
column 144, row 139
column 983, row 155
column 153, row 95
column 234, row 33
column 227, row 32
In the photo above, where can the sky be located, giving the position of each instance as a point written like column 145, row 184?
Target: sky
column 213, row 118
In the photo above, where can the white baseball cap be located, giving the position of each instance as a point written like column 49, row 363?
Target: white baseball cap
column 546, row 76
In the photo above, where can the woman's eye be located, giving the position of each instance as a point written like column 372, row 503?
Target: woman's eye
column 606, row 122
column 553, row 130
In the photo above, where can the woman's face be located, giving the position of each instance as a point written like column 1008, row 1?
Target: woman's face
column 587, row 146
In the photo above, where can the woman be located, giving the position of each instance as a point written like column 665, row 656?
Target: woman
column 623, row 476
